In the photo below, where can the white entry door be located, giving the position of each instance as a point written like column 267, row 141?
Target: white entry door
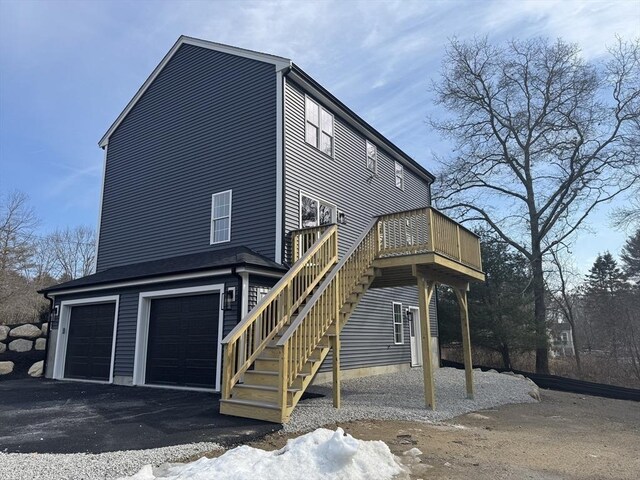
column 415, row 334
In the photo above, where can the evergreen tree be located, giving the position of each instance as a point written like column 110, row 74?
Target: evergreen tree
column 500, row 310
column 631, row 257
column 603, row 291
column 605, row 277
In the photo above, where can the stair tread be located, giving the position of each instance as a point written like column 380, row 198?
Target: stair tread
column 252, row 403
column 269, row 372
column 264, row 387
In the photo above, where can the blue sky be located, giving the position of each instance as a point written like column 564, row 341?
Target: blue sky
column 68, row 68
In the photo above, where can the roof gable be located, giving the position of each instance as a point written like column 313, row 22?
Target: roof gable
column 278, row 62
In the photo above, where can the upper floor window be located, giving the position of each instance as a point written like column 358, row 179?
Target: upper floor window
column 398, row 330
column 372, row 157
column 318, row 127
column 221, row 217
column 315, row 212
column 399, row 176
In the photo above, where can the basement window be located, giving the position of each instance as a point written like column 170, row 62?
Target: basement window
column 398, row 330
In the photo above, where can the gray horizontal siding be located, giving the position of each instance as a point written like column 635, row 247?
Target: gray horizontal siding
column 256, row 282
column 128, row 314
column 206, row 124
column 368, row 336
column 345, row 181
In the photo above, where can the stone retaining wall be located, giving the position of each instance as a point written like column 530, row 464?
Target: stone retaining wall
column 22, row 350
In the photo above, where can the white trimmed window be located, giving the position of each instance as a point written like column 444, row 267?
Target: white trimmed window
column 318, row 127
column 399, row 176
column 221, row 217
column 315, row 212
column 398, row 331
column 372, row 157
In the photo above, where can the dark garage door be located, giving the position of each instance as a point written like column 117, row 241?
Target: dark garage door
column 90, row 341
column 183, row 341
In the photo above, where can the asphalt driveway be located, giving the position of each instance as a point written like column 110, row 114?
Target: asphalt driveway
column 47, row 416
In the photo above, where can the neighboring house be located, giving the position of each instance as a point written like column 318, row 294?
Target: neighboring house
column 226, row 168
column 561, row 339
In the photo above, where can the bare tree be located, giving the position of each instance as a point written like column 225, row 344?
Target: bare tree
column 539, row 143
column 564, row 298
column 17, row 225
column 72, row 252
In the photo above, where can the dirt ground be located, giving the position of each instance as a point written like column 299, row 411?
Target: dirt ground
column 565, row 436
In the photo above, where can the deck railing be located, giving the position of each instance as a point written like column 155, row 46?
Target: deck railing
column 323, row 309
column 428, row 230
column 251, row 336
column 303, row 239
column 423, row 230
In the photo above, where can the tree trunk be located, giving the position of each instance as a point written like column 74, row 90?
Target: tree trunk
column 576, row 350
column 506, row 357
column 540, row 313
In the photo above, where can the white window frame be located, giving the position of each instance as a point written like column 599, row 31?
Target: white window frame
column 333, row 206
column 318, row 127
column 63, row 335
column 399, row 175
column 213, row 219
column 395, row 323
column 142, row 332
column 374, row 158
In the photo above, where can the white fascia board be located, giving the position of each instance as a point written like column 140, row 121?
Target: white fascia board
column 99, row 223
column 280, row 64
column 260, row 272
column 148, row 281
column 279, row 164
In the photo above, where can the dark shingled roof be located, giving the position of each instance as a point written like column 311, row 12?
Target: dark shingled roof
column 229, row 257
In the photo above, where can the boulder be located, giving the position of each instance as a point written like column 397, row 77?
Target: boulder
column 3, row 347
column 21, row 345
column 45, row 329
column 26, row 331
column 4, row 331
column 6, row 368
column 41, row 344
column 36, row 369
column 535, row 394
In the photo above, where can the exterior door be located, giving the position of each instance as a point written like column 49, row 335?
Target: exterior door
column 182, row 348
column 90, row 342
column 415, row 337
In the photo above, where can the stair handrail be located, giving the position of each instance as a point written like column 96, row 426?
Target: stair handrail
column 251, row 336
column 316, row 317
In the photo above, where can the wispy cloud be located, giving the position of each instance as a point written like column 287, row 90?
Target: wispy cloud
column 69, row 67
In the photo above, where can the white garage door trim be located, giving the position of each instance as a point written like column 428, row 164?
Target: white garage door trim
column 63, row 335
column 142, row 332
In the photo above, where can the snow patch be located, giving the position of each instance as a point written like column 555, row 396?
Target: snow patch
column 321, row 454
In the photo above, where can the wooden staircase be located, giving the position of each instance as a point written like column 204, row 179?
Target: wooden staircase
column 273, row 354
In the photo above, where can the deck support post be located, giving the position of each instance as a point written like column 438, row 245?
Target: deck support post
column 461, row 293
column 335, row 347
column 425, row 292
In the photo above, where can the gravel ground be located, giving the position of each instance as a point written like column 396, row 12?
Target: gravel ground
column 80, row 466
column 400, row 396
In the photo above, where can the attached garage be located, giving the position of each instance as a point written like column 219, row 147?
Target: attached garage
column 86, row 339
column 178, row 338
column 182, row 348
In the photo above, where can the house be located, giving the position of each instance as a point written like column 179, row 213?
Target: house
column 251, row 224
column 561, row 336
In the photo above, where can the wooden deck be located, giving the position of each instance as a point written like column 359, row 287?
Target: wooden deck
column 272, row 355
